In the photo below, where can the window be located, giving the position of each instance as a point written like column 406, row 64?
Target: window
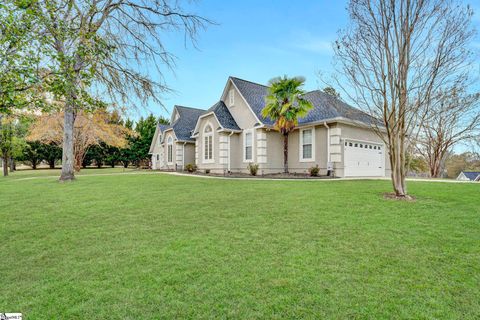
column 158, row 157
column 248, row 146
column 356, row 145
column 350, row 144
column 307, row 145
column 208, row 143
column 231, row 98
column 345, row 143
column 160, row 140
column 170, row 150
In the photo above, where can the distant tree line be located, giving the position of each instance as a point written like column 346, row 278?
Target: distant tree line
column 34, row 142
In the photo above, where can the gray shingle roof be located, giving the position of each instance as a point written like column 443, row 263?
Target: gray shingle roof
column 471, row 175
column 186, row 122
column 324, row 106
column 224, row 116
column 163, row 127
column 188, row 117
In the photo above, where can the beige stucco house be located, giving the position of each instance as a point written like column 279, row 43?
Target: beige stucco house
column 233, row 133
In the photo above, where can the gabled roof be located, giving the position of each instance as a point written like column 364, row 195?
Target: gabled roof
column 224, row 116
column 325, row 106
column 471, row 175
column 185, row 123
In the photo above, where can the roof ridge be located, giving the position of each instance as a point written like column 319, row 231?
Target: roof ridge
column 185, row 107
column 259, row 84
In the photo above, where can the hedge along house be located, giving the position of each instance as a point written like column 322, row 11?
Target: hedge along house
column 232, row 134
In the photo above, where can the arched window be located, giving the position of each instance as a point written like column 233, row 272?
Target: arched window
column 170, row 149
column 208, row 143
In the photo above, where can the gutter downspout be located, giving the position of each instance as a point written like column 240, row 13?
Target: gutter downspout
column 328, row 146
column 183, row 156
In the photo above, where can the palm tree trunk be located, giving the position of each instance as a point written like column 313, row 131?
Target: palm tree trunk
column 285, row 153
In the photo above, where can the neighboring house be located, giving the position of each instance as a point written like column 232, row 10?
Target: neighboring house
column 469, row 176
column 233, row 133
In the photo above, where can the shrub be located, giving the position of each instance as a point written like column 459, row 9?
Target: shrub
column 253, row 168
column 190, row 167
column 207, row 171
column 314, row 171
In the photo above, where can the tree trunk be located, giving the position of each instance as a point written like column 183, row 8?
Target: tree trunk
column 397, row 162
column 285, row 153
column 125, row 164
column 34, row 165
column 51, row 163
column 5, row 165
column 12, row 164
column 68, row 158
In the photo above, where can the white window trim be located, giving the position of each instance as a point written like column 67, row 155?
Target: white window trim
column 300, row 140
column 204, row 135
column 169, row 143
column 231, row 98
column 251, row 131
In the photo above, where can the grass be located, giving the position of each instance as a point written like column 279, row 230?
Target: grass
column 160, row 246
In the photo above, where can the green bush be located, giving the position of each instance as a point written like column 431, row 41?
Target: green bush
column 190, row 167
column 314, row 171
column 253, row 168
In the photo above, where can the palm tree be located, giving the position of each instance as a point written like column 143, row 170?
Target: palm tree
column 284, row 104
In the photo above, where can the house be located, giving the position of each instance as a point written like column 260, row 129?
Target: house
column 469, row 176
column 232, row 134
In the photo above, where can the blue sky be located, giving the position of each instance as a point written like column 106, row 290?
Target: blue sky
column 255, row 40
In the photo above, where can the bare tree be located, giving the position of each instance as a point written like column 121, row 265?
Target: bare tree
column 393, row 56
column 453, row 117
column 107, row 49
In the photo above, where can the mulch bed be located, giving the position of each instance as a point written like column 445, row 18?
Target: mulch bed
column 393, row 196
column 265, row 176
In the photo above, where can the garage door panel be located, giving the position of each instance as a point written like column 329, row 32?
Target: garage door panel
column 363, row 159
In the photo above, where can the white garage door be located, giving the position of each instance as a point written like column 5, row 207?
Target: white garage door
column 363, row 159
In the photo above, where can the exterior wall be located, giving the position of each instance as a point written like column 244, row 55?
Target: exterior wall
column 215, row 166
column 240, row 111
column 169, row 165
column 157, row 150
column 362, row 134
column 271, row 143
column 189, row 153
column 236, row 153
column 320, row 152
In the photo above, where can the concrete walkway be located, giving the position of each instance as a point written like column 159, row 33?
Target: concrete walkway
column 180, row 174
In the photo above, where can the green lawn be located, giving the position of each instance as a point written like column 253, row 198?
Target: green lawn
column 152, row 246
